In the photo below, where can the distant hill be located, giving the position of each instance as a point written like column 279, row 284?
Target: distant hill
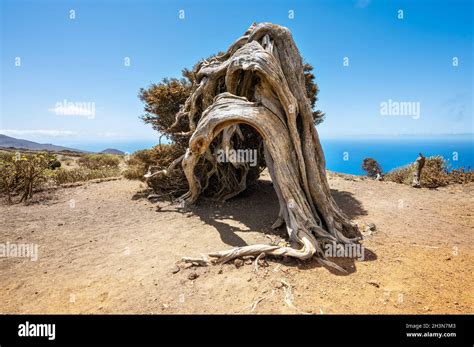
column 112, row 151
column 11, row 142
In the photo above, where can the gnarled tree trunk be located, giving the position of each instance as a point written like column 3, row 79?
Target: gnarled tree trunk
column 254, row 97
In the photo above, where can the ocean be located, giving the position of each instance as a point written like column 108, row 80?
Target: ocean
column 346, row 155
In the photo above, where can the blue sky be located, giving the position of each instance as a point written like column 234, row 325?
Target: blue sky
column 82, row 60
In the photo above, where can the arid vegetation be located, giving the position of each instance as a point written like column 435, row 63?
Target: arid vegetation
column 24, row 173
column 99, row 161
column 436, row 173
column 83, row 174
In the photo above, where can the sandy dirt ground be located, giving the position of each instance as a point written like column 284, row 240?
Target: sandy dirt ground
column 104, row 248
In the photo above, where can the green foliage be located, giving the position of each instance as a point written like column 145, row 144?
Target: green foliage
column 312, row 91
column 372, row 167
column 99, row 161
column 23, row 174
column 55, row 164
column 163, row 101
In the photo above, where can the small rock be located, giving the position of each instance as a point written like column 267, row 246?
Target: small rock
column 60, row 224
column 447, row 258
column 427, row 308
column 374, row 283
column 238, row 263
column 371, row 226
column 279, row 285
column 192, row 276
column 248, row 262
column 188, row 265
column 175, row 270
column 220, row 271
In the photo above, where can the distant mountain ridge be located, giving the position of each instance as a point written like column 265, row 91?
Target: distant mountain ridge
column 11, row 142
column 112, row 151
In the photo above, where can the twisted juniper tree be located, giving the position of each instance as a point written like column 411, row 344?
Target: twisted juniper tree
column 254, row 97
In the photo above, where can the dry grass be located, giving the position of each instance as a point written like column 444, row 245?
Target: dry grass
column 99, row 161
column 82, row 174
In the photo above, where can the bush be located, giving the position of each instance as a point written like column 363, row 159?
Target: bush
column 55, row 164
column 99, row 161
column 159, row 157
column 372, row 167
column 23, row 174
column 434, row 174
column 461, row 176
column 81, row 174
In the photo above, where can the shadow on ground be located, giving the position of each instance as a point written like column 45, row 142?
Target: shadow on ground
column 348, row 203
column 255, row 210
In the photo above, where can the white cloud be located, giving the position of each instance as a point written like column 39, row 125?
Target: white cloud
column 40, row 132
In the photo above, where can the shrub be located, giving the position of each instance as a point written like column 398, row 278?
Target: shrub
column 23, row 174
column 81, row 174
column 159, row 157
column 434, row 174
column 372, row 167
column 99, row 161
column 55, row 164
column 461, row 176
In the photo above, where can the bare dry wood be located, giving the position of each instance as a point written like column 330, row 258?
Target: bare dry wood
column 254, row 97
column 419, row 164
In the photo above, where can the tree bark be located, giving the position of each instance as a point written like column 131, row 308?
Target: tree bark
column 254, row 96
